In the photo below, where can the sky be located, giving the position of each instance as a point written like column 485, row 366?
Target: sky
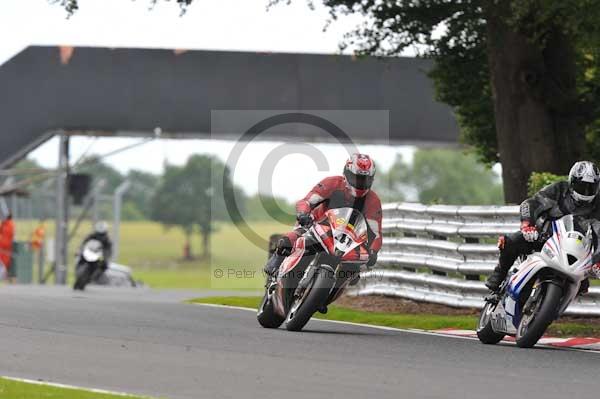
column 243, row 25
column 292, row 177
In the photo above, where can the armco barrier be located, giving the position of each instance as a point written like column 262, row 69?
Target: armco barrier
column 440, row 254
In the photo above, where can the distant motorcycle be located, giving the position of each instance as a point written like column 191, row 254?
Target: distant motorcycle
column 325, row 259
column 117, row 275
column 537, row 291
column 90, row 264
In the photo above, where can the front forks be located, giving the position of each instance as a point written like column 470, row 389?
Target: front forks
column 534, row 297
column 493, row 298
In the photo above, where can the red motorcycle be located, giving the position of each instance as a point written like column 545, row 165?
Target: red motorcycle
column 325, row 259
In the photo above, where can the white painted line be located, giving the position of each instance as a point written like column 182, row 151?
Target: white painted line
column 551, row 340
column 349, row 323
column 216, row 305
column 66, row 386
column 406, row 330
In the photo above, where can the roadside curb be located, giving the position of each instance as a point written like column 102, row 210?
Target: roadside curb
column 581, row 343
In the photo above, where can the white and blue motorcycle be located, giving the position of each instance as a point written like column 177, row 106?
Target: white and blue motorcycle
column 539, row 289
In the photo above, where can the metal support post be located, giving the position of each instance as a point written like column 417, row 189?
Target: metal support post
column 62, row 212
column 117, row 202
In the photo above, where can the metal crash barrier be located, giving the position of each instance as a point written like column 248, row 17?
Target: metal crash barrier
column 441, row 254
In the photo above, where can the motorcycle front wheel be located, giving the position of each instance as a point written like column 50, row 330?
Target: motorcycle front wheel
column 534, row 323
column 266, row 315
column 314, row 296
column 84, row 274
column 485, row 332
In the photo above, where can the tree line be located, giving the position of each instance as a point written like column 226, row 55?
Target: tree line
column 193, row 197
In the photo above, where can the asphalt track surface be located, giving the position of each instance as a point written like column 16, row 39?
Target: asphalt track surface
column 150, row 343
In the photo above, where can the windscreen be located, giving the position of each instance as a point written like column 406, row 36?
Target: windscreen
column 575, row 223
column 568, row 222
column 349, row 221
column 93, row 245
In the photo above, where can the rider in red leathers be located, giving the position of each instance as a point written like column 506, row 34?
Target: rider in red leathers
column 353, row 190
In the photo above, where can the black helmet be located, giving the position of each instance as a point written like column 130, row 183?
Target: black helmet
column 584, row 181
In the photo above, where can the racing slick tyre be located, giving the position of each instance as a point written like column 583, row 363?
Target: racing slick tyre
column 266, row 315
column 84, row 274
column 485, row 332
column 534, row 322
column 314, row 296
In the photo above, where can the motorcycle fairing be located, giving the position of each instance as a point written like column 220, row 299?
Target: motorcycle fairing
column 294, row 258
column 326, row 236
column 341, row 234
column 527, row 269
column 357, row 231
column 519, row 280
column 554, row 258
column 323, row 234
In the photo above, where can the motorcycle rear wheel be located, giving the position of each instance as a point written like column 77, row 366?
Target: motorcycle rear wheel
column 485, row 332
column 533, row 326
column 314, row 296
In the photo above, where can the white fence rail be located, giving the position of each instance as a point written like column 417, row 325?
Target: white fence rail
column 441, row 254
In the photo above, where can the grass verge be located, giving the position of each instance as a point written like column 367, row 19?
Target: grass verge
column 410, row 321
column 422, row 322
column 11, row 389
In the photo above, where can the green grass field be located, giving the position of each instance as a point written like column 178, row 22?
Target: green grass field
column 155, row 254
column 408, row 321
column 10, row 389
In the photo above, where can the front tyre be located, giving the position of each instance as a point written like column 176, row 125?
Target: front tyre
column 485, row 332
column 83, row 276
column 534, row 323
column 314, row 296
column 266, row 315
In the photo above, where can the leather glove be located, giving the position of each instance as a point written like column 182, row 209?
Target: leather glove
column 372, row 259
column 304, row 219
column 530, row 232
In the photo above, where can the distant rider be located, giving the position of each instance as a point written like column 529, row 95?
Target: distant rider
column 577, row 196
column 100, row 233
column 353, row 190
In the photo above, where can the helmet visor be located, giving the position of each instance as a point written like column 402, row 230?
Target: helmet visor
column 585, row 188
column 360, row 182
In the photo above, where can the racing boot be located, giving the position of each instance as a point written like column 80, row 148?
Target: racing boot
column 281, row 250
column 497, row 277
column 508, row 255
column 272, row 266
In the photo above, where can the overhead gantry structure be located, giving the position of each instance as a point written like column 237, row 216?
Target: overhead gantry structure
column 66, row 91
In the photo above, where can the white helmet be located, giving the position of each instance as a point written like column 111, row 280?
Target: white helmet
column 584, row 181
column 101, row 227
